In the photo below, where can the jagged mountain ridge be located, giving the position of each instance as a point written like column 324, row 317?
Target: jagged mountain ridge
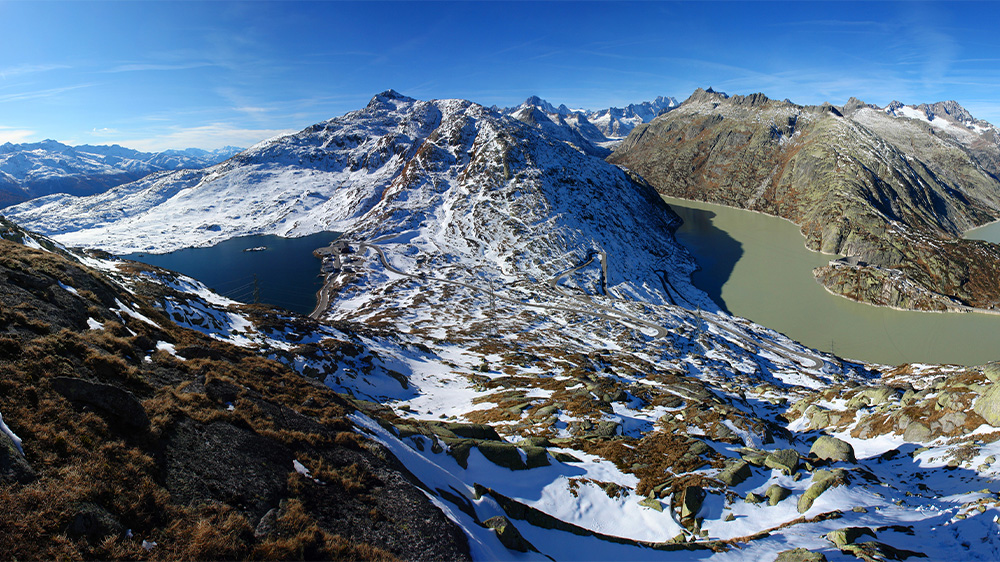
column 603, row 127
column 30, row 170
column 446, row 171
column 859, row 181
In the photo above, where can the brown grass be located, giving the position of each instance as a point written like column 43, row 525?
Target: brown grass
column 653, row 459
column 298, row 537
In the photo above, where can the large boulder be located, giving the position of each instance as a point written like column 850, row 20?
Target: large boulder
column 776, row 493
column 691, row 499
column 992, row 371
column 508, row 534
column 474, row 431
column 823, row 480
column 509, row 455
column 916, row 432
column 832, row 449
column 800, row 555
column 785, row 460
column 988, row 405
column 848, row 535
column 736, row 473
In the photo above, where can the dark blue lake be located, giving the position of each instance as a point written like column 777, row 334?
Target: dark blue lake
column 285, row 273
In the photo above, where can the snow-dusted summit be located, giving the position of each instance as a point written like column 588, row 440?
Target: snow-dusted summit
column 602, row 127
column 946, row 116
column 449, row 176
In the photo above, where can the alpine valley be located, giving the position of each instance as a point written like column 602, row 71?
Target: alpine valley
column 508, row 360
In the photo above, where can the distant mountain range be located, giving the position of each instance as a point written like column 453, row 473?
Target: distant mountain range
column 32, row 170
column 594, row 131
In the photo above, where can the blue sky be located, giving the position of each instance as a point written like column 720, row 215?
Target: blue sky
column 156, row 75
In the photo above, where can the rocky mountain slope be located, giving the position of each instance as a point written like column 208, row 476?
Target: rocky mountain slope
column 125, row 436
column 451, row 172
column 35, row 169
column 893, row 188
column 512, row 321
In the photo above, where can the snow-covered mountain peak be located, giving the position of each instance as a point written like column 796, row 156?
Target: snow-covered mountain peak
column 388, row 99
column 450, row 176
column 948, row 117
column 601, row 127
column 950, row 110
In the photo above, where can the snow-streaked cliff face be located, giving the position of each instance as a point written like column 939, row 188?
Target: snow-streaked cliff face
column 449, row 176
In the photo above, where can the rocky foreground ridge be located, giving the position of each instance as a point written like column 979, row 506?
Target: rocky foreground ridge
column 126, row 436
column 892, row 189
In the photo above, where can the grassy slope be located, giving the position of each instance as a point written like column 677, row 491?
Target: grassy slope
column 200, row 478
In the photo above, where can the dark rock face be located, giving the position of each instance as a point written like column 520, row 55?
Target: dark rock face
column 222, row 462
column 13, row 466
column 115, row 402
column 94, row 523
column 859, row 182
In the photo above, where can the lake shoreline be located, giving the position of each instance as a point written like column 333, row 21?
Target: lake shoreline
column 766, row 272
column 285, row 273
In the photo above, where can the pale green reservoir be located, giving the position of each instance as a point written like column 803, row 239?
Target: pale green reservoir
column 758, row 267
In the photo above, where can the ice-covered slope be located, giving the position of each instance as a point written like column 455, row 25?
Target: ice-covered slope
column 449, row 174
column 43, row 168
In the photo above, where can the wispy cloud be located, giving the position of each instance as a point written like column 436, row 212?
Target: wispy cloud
column 9, row 134
column 39, row 94
column 208, row 137
column 142, row 67
column 23, row 69
column 250, row 110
